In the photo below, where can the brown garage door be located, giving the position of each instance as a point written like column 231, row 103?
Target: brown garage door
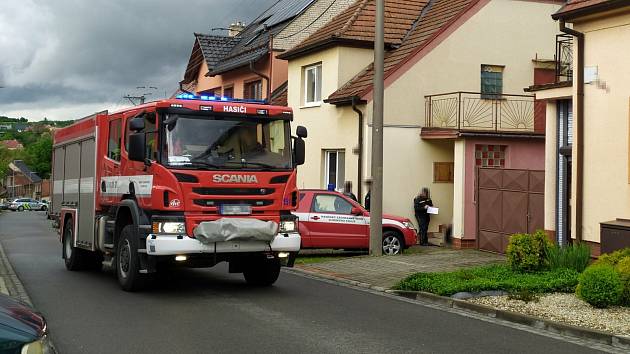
column 509, row 201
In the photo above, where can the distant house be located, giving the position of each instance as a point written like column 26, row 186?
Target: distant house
column 12, row 144
column 21, row 181
column 6, row 126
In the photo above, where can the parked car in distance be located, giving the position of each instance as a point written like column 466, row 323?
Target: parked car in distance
column 22, row 329
column 328, row 219
column 5, row 205
column 22, row 204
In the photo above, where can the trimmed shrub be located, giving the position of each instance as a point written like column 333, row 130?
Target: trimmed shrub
column 526, row 253
column 600, row 286
column 575, row 256
column 623, row 269
column 612, row 259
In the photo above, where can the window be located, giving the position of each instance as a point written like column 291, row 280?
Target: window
column 253, row 90
column 443, row 172
column 150, row 132
column 228, row 92
column 211, row 92
column 312, row 84
column 490, row 155
column 115, row 134
column 491, row 81
column 335, row 166
column 328, row 203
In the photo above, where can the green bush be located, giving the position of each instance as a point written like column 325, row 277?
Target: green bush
column 612, row 259
column 623, row 269
column 494, row 277
column 575, row 257
column 526, row 253
column 600, row 286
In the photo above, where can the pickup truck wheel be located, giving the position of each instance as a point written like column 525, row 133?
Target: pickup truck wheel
column 262, row 272
column 74, row 258
column 128, row 261
column 392, row 243
column 44, row 208
column 20, row 208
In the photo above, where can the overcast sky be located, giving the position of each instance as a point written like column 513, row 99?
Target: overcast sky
column 65, row 59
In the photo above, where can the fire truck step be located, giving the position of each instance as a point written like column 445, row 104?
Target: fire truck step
column 109, row 245
column 108, row 263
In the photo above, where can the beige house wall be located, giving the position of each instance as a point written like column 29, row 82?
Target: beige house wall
column 330, row 128
column 551, row 160
column 606, row 118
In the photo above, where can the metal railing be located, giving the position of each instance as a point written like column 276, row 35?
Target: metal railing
column 564, row 57
column 475, row 111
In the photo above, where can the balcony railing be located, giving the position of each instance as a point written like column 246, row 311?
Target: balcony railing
column 564, row 57
column 481, row 112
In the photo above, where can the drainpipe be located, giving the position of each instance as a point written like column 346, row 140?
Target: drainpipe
column 579, row 117
column 253, row 70
column 360, row 163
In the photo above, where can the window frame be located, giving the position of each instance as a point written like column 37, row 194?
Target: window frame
column 247, row 87
column 437, row 165
column 227, row 87
column 485, row 94
column 337, row 167
column 318, row 85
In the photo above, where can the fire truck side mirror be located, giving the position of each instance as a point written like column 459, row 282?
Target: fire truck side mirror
column 136, row 124
column 301, row 132
column 136, row 147
column 299, row 151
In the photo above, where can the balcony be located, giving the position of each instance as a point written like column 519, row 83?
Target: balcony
column 564, row 58
column 479, row 113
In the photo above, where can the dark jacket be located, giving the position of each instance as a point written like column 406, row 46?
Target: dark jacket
column 351, row 196
column 419, row 204
column 367, row 200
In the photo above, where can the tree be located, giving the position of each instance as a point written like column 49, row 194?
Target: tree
column 39, row 154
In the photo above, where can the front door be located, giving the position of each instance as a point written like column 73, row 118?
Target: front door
column 332, row 224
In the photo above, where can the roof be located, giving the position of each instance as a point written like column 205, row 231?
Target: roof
column 578, row 8
column 279, row 96
column 209, row 48
column 26, row 171
column 355, row 26
column 252, row 43
column 435, row 18
column 12, row 144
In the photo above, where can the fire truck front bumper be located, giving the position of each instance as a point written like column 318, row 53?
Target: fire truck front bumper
column 165, row 245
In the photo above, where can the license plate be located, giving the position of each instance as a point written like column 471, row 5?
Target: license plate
column 235, row 209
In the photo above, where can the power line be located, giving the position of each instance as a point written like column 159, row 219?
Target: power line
column 309, row 25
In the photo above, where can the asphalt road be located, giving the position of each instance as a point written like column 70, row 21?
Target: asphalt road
column 203, row 311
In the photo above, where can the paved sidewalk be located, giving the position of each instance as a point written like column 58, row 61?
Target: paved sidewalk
column 10, row 284
column 386, row 271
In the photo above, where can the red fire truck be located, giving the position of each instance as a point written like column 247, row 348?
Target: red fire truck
column 195, row 181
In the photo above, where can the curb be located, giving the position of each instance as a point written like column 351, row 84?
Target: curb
column 615, row 341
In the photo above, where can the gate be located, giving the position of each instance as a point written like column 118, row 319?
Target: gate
column 508, row 201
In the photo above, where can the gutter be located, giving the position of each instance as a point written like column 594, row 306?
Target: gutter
column 253, row 70
column 360, row 159
column 579, row 136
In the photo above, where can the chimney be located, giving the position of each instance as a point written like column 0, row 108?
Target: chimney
column 236, row 28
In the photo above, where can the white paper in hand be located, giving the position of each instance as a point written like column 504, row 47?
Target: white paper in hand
column 432, row 210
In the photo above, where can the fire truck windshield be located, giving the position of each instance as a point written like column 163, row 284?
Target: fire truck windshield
column 220, row 142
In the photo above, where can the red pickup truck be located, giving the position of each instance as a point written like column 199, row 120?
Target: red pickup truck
column 331, row 220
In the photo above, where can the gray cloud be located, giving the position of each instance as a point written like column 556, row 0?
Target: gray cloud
column 57, row 54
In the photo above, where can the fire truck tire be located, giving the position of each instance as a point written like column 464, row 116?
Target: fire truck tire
column 262, row 271
column 128, row 261
column 74, row 258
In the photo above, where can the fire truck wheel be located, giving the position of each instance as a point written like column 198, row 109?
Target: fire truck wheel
column 262, row 271
column 75, row 259
column 128, row 261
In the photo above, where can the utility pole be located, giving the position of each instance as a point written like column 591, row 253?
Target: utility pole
column 140, row 98
column 376, row 202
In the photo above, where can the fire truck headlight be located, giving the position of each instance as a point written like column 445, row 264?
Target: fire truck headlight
column 288, row 226
column 170, row 227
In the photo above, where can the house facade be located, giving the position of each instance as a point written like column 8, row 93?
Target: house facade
column 453, row 106
column 587, row 158
column 22, row 182
column 244, row 64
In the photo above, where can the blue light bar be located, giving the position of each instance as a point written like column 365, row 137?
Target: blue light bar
column 188, row 96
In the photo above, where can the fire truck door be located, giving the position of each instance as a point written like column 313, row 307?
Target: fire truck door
column 85, row 235
column 111, row 162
